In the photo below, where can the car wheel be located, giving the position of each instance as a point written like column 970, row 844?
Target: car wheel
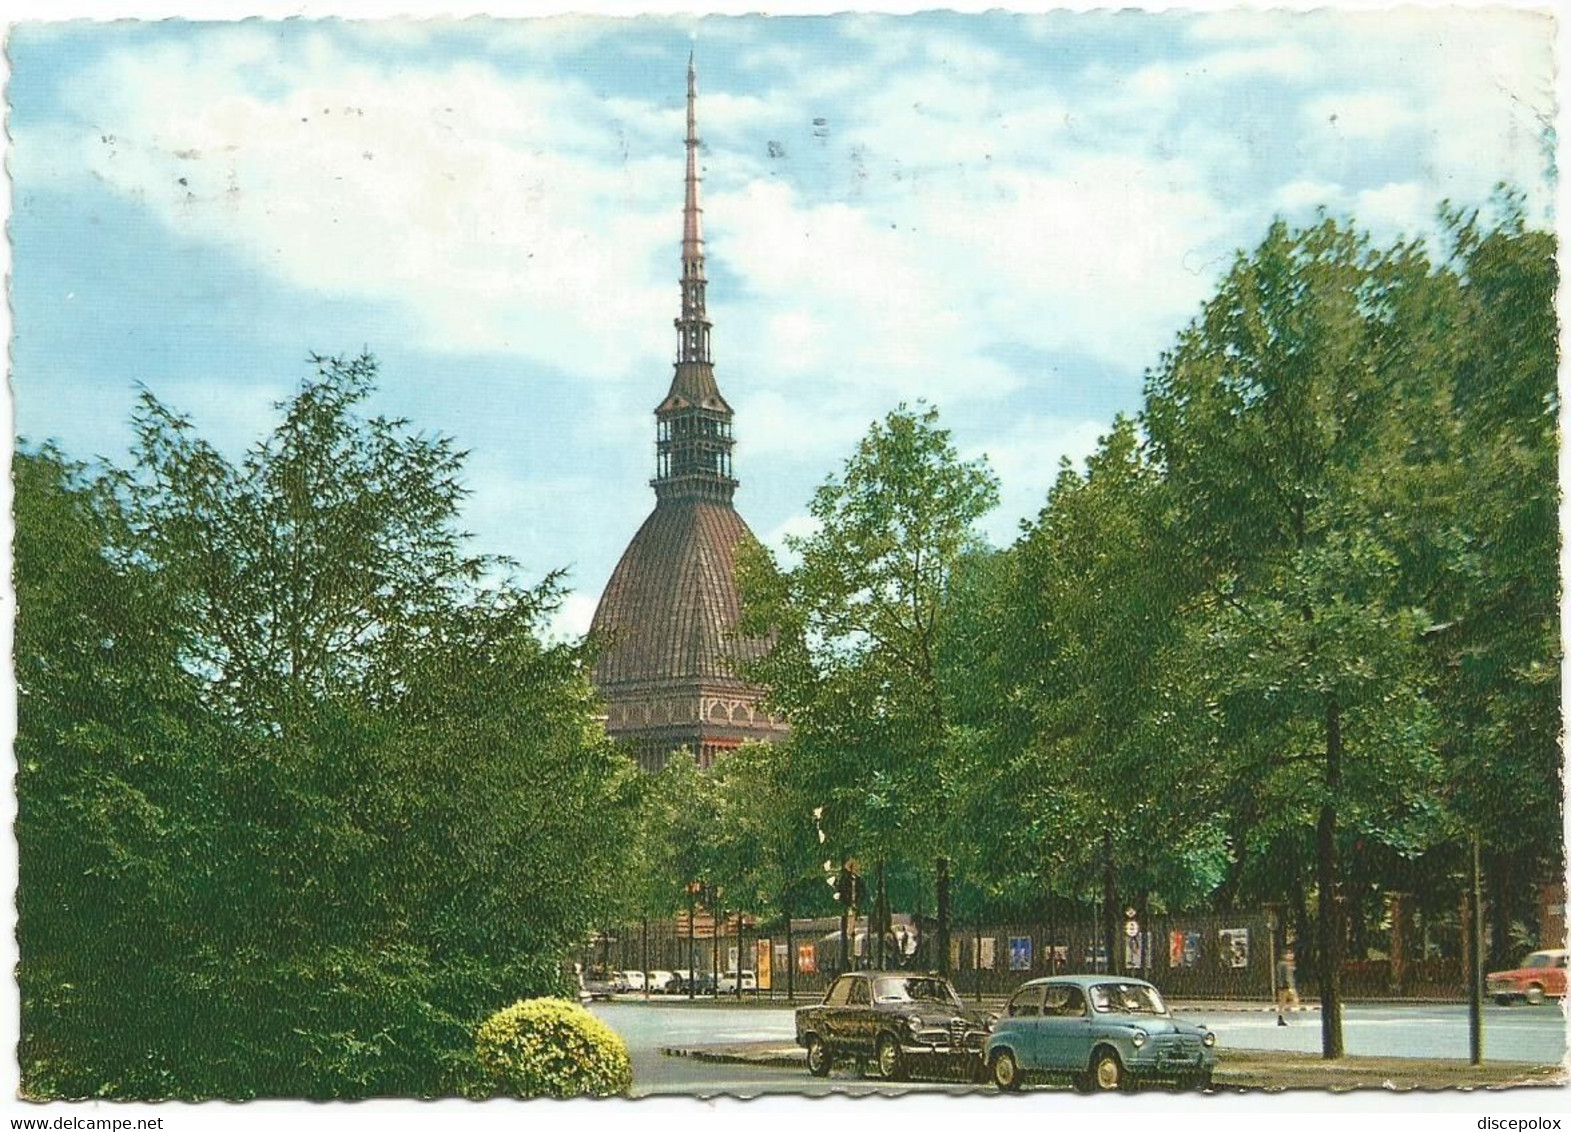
column 819, row 1063
column 1534, row 995
column 1006, row 1071
column 1107, row 1072
column 891, row 1063
column 1503, row 1000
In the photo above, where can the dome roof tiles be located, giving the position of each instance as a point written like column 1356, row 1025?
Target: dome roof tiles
column 668, row 612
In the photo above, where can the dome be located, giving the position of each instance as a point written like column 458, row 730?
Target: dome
column 667, row 614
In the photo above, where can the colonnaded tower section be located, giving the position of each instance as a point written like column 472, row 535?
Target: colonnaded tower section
column 669, row 660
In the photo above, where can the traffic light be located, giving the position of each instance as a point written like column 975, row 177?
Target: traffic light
column 850, row 891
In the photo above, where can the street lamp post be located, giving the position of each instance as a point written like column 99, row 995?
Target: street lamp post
column 692, row 940
column 718, row 916
column 1271, row 928
column 1475, row 964
column 740, row 952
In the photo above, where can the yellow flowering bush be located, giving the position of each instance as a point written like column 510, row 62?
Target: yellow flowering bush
column 549, row 1047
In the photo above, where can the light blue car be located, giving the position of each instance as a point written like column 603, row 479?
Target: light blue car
column 1103, row 1032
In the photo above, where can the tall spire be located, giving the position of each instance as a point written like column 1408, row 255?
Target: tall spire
column 692, row 327
column 694, row 444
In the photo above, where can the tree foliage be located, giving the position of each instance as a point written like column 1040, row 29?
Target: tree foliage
column 859, row 624
column 339, row 793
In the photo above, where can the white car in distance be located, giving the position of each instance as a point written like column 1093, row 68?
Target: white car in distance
column 727, row 983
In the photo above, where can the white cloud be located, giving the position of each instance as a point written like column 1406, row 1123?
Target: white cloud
column 1402, row 208
column 1304, row 196
column 959, row 201
column 573, row 617
column 900, row 296
column 502, row 214
column 797, row 526
column 1026, row 458
column 1362, row 116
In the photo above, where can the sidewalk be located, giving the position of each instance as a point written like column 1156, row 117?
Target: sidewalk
column 1248, row 1069
column 995, row 1003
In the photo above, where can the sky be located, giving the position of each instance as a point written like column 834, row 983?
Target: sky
column 1008, row 216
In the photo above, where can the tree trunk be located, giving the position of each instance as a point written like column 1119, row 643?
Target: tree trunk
column 881, row 918
column 692, row 947
column 741, row 956
column 1142, row 908
column 1304, row 943
column 1499, row 883
column 1052, row 936
column 1109, row 904
column 790, row 957
column 1330, row 926
column 1360, row 897
column 942, row 940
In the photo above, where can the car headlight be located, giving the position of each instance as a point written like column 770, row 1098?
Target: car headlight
column 1139, row 1038
column 914, row 1021
column 1209, row 1039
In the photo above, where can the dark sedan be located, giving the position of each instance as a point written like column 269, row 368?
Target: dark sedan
column 894, row 1020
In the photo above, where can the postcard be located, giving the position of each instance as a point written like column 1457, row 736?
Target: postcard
column 941, row 554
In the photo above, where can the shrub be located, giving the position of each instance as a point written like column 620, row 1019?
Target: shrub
column 549, row 1047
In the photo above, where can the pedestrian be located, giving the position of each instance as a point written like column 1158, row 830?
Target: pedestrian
column 1286, row 986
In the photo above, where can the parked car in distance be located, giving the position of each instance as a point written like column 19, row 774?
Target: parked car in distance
column 1103, row 1032
column 660, row 982
column 1541, row 975
column 895, row 1020
column 600, row 986
column 628, row 981
column 727, row 983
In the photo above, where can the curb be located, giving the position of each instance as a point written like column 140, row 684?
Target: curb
column 1250, row 1071
column 788, row 1059
column 1238, row 1008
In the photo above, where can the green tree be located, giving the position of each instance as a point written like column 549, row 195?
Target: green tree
column 1091, row 746
column 858, row 624
column 1276, row 422
column 1478, row 558
column 114, row 761
column 397, row 809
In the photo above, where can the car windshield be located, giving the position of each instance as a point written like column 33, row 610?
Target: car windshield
column 913, row 990
column 1127, row 998
column 1538, row 959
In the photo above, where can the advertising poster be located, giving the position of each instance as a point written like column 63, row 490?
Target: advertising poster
column 1235, row 947
column 806, row 958
column 1019, row 953
column 1183, row 949
column 764, row 962
column 988, row 952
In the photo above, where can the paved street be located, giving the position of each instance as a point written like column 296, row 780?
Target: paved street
column 1420, row 1031
column 1511, row 1033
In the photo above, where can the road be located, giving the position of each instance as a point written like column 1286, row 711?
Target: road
column 649, row 1029
column 1430, row 1031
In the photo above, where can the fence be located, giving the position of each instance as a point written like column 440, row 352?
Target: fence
column 1201, row 956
